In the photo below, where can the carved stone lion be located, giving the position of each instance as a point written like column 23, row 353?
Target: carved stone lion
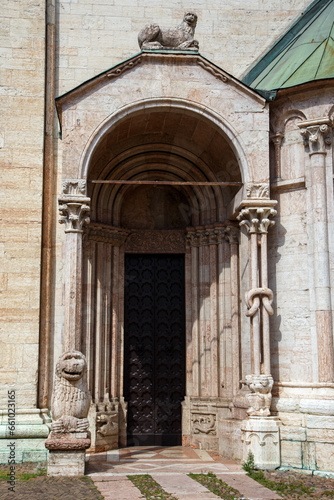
column 70, row 397
column 181, row 37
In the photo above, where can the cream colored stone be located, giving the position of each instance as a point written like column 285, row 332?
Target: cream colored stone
column 291, row 454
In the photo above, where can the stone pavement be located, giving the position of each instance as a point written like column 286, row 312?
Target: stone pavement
column 169, row 467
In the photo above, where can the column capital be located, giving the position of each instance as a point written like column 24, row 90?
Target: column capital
column 277, row 138
column 74, row 205
column 207, row 235
column 232, row 235
column 316, row 134
column 256, row 219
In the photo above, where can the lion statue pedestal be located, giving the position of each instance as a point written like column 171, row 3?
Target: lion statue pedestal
column 69, row 437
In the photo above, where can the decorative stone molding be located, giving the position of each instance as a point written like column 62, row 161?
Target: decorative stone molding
column 260, row 397
column 155, row 241
column 74, row 187
column 74, row 206
column 203, row 423
column 209, row 67
column 122, row 68
column 256, row 220
column 107, row 234
column 316, row 134
column 205, row 236
column 257, row 190
column 253, row 300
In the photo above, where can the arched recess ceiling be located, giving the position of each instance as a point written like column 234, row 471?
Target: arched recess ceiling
column 167, row 145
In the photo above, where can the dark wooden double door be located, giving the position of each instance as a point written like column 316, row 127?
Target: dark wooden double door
column 154, row 348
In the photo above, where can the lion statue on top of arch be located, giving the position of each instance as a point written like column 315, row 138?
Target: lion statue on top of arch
column 152, row 37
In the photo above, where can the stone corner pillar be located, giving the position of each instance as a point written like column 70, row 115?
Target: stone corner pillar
column 74, row 209
column 317, row 138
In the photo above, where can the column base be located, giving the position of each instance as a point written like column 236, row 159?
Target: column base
column 260, row 436
column 24, row 441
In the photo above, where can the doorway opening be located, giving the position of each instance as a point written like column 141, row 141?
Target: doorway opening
column 154, row 348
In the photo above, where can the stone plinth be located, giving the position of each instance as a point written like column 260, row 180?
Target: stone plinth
column 260, row 436
column 67, row 453
column 66, row 463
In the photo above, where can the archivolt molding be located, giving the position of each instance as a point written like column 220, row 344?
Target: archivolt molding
column 186, row 106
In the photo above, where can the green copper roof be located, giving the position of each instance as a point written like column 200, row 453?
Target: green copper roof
column 303, row 54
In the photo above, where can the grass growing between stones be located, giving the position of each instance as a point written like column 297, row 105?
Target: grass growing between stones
column 150, row 488
column 21, row 476
column 216, row 486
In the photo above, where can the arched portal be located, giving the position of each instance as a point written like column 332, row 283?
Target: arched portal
column 184, row 214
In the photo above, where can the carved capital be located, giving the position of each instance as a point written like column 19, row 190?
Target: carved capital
column 205, row 236
column 257, row 190
column 259, row 398
column 74, row 205
column 316, row 134
column 232, row 234
column 256, row 219
column 277, row 139
column 74, row 214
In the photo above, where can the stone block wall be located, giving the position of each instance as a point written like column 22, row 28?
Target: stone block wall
column 22, row 49
column 94, row 36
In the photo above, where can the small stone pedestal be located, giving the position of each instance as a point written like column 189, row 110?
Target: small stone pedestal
column 67, row 453
column 260, row 435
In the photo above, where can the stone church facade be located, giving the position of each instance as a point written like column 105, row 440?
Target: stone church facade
column 193, row 262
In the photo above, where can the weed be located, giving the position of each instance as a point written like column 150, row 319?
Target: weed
column 150, row 488
column 216, row 486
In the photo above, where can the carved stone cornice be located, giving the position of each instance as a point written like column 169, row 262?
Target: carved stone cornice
column 205, row 236
column 74, row 205
column 256, row 219
column 107, row 234
column 316, row 134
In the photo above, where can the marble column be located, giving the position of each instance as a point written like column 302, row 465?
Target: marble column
column 317, row 137
column 277, row 141
column 260, row 432
column 74, row 213
column 259, row 306
column 232, row 236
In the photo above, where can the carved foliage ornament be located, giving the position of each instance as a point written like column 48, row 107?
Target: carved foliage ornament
column 74, row 206
column 152, row 37
column 256, row 220
column 257, row 190
column 317, row 137
column 148, row 241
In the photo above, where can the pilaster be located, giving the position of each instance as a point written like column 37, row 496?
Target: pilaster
column 74, row 208
column 317, row 138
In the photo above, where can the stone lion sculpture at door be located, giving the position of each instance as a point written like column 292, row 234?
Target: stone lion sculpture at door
column 182, row 37
column 70, row 397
